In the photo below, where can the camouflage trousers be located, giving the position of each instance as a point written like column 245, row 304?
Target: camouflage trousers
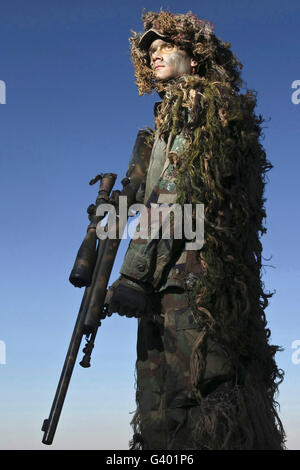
column 167, row 408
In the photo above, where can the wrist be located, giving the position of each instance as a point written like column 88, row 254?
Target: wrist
column 143, row 287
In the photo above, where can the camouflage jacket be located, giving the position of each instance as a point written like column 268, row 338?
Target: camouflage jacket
column 160, row 262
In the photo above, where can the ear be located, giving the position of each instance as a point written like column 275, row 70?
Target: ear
column 194, row 65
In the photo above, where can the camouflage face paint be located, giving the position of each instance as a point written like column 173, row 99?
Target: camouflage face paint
column 167, row 61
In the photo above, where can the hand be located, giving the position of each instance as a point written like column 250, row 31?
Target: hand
column 128, row 298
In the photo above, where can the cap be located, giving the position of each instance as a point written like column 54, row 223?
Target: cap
column 150, row 36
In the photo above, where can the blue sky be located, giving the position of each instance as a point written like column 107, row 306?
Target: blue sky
column 72, row 111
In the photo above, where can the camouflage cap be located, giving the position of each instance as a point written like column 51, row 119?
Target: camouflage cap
column 149, row 36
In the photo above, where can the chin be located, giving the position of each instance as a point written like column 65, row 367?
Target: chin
column 164, row 77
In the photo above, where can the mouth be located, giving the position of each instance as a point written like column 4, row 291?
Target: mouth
column 158, row 67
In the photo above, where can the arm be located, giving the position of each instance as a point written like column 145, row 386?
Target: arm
column 148, row 262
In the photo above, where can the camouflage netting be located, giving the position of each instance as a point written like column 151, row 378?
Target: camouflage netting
column 224, row 166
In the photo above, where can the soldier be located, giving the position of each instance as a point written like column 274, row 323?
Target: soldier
column 206, row 373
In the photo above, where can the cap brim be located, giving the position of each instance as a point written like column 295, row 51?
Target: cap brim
column 150, row 36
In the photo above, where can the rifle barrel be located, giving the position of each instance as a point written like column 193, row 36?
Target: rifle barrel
column 50, row 424
column 80, row 329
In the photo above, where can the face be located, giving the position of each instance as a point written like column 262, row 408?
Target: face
column 167, row 61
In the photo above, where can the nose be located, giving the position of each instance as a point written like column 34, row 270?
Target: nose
column 155, row 55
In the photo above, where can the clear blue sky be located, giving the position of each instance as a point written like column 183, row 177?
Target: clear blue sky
column 72, row 111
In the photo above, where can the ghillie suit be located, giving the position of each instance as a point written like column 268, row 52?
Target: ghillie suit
column 227, row 365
